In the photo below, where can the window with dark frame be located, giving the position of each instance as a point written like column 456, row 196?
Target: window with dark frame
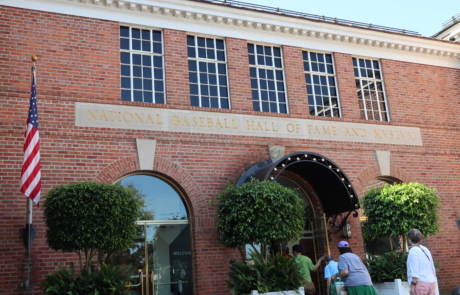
column 370, row 90
column 323, row 99
column 267, row 79
column 207, row 72
column 142, row 66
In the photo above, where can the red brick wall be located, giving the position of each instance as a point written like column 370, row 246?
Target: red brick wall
column 295, row 81
column 79, row 61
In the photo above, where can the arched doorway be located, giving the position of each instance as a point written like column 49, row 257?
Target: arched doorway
column 313, row 174
column 161, row 250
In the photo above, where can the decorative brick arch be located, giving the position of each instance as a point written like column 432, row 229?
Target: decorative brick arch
column 118, row 169
column 372, row 172
column 191, row 190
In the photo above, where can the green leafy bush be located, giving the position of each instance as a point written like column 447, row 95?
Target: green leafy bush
column 90, row 217
column 278, row 274
column 261, row 213
column 388, row 267
column 393, row 210
column 109, row 280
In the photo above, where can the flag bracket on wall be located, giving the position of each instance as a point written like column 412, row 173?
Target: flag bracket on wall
column 28, row 231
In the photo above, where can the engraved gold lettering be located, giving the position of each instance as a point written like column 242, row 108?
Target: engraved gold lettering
column 317, row 130
column 225, row 123
column 273, row 127
column 377, row 133
column 310, row 129
column 266, row 127
column 326, row 130
column 119, row 116
column 92, row 115
column 202, row 122
column 411, row 135
column 290, row 127
column 249, row 125
column 176, row 120
column 218, row 123
column 347, row 132
column 185, row 122
column 334, row 130
column 149, row 119
column 159, row 120
column 138, row 117
column 111, row 115
column 297, row 127
column 362, row 132
column 130, row 115
column 194, row 122
column 103, row 115
column 210, row 123
column 233, row 124
column 259, row 126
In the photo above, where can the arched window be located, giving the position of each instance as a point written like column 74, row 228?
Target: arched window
column 161, row 249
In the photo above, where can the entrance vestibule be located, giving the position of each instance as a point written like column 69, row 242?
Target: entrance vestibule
column 161, row 250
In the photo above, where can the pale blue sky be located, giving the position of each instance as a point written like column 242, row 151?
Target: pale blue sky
column 423, row 16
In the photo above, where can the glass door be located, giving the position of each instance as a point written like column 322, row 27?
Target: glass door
column 162, row 254
column 161, row 251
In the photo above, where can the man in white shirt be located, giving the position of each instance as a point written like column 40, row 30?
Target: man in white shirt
column 420, row 267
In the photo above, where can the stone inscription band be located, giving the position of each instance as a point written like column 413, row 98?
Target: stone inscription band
column 142, row 118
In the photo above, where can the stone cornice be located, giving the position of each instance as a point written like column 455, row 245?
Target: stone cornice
column 191, row 15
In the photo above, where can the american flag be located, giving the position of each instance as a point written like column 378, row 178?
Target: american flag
column 30, row 174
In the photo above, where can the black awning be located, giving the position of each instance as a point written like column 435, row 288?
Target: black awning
column 330, row 183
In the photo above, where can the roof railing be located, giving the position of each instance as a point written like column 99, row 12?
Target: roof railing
column 453, row 20
column 311, row 16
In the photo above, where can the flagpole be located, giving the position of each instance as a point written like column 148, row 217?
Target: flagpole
column 28, row 234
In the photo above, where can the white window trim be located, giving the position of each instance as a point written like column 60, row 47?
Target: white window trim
column 274, row 69
column 327, row 75
column 196, row 58
column 151, row 53
column 382, row 80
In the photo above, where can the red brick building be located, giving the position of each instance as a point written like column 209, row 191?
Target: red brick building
column 181, row 97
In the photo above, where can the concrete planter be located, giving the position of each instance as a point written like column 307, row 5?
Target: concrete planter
column 291, row 292
column 397, row 287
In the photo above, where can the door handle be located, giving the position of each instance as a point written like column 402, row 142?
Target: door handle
column 152, row 277
column 171, row 283
column 141, row 282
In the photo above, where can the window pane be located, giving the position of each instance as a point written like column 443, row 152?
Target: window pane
column 369, row 89
column 321, row 84
column 145, row 34
column 194, row 101
column 250, row 48
column 136, row 44
column 220, row 44
column 124, row 43
column 191, row 41
column 224, row 104
column 126, row 95
column 124, row 32
column 156, row 36
column 125, row 70
column 159, row 97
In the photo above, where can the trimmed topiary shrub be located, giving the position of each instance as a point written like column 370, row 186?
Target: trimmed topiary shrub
column 87, row 217
column 261, row 213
